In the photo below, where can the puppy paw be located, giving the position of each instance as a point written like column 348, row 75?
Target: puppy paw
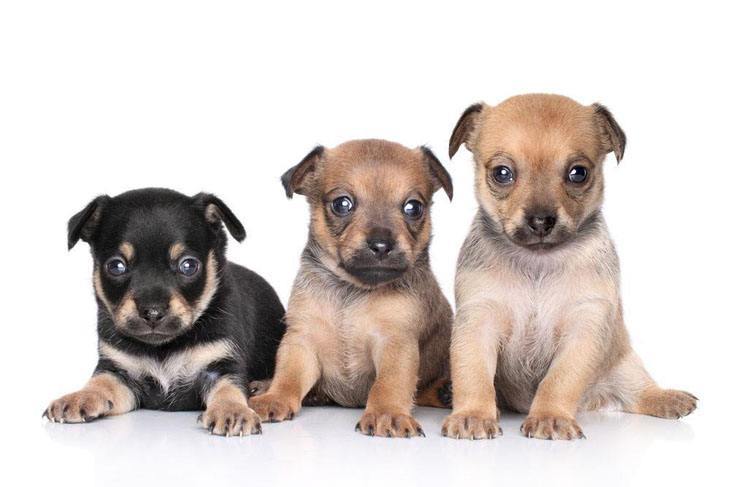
column 551, row 427
column 667, row 403
column 274, row 408
column 389, row 425
column 79, row 407
column 230, row 418
column 258, row 387
column 471, row 426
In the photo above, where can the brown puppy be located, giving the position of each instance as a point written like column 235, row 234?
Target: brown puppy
column 367, row 324
column 538, row 310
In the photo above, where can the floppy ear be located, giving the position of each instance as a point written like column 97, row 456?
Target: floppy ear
column 464, row 128
column 293, row 180
column 83, row 224
column 612, row 136
column 439, row 174
column 216, row 212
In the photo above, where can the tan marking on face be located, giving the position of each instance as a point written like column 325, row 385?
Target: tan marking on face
column 100, row 292
column 126, row 310
column 179, row 307
column 211, row 286
column 127, row 251
column 176, row 251
column 189, row 313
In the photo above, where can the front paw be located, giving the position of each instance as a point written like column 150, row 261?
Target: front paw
column 389, row 425
column 230, row 418
column 79, row 407
column 274, row 408
column 551, row 427
column 471, row 426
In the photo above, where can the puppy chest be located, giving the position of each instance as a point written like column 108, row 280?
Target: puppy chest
column 529, row 348
column 348, row 370
column 174, row 382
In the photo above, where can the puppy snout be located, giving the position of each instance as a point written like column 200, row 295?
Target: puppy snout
column 153, row 314
column 381, row 243
column 541, row 224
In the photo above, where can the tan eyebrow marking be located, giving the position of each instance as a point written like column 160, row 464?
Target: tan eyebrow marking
column 176, row 250
column 127, row 250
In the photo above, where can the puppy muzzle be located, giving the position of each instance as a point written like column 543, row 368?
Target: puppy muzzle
column 375, row 267
column 540, row 233
column 153, row 330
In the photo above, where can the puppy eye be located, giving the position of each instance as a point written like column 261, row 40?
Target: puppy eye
column 503, row 175
column 578, row 174
column 342, row 206
column 413, row 209
column 116, row 266
column 188, row 266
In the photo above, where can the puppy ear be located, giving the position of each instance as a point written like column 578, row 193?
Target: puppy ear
column 216, row 212
column 294, row 179
column 464, row 128
column 612, row 136
column 440, row 175
column 83, row 224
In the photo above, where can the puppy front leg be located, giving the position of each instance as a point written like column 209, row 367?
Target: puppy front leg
column 227, row 412
column 582, row 352
column 105, row 394
column 474, row 351
column 297, row 370
column 390, row 401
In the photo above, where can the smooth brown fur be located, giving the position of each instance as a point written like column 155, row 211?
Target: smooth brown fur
column 539, row 326
column 362, row 343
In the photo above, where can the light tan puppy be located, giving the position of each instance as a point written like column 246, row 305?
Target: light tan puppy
column 539, row 325
column 367, row 324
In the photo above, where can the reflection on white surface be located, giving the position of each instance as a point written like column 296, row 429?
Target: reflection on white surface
column 321, row 446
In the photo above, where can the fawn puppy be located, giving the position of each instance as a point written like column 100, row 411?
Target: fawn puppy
column 539, row 326
column 367, row 324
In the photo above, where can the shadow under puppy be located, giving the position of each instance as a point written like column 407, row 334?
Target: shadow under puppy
column 179, row 327
column 367, row 324
column 539, row 325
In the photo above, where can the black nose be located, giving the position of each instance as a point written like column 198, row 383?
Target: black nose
column 381, row 247
column 541, row 224
column 153, row 314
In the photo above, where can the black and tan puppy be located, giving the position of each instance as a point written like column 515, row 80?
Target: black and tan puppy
column 367, row 324
column 179, row 327
column 539, row 326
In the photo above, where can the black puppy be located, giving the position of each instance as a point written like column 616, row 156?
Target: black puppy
column 179, row 327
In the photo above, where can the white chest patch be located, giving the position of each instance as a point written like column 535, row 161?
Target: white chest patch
column 178, row 368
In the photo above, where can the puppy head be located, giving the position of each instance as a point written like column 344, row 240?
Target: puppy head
column 539, row 165
column 369, row 203
column 157, row 257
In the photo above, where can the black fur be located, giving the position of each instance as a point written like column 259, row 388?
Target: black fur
column 245, row 309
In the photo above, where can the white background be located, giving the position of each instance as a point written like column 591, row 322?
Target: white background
column 100, row 97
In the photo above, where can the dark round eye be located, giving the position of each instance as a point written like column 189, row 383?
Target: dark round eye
column 413, row 209
column 578, row 174
column 188, row 266
column 342, row 206
column 503, row 175
column 116, row 266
